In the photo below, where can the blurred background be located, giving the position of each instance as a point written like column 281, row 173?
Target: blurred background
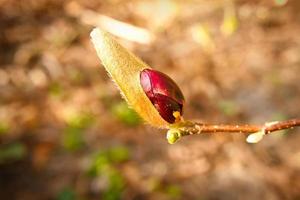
column 66, row 134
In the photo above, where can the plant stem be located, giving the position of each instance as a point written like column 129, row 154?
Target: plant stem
column 192, row 128
column 257, row 131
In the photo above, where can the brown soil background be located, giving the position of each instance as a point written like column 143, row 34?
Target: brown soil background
column 58, row 106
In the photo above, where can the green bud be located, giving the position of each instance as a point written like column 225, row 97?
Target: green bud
column 173, row 135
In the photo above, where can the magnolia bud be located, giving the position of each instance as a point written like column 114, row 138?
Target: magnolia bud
column 153, row 95
column 163, row 93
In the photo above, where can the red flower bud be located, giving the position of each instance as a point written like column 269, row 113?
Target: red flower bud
column 163, row 92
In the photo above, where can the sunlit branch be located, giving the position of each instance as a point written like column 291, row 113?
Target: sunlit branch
column 256, row 131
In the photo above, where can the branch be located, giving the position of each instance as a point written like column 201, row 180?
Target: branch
column 129, row 73
column 258, row 131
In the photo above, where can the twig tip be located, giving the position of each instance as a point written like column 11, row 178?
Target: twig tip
column 173, row 135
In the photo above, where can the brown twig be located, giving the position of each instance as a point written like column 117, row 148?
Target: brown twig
column 193, row 128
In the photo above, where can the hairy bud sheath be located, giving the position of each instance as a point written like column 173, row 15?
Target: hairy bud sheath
column 163, row 93
column 160, row 105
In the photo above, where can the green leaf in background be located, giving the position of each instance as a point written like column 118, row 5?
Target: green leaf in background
column 55, row 89
column 73, row 134
column 103, row 165
column 66, row 194
column 118, row 154
column 173, row 191
column 80, row 120
column 76, row 76
column 12, row 152
column 106, row 158
column 99, row 162
column 125, row 114
column 73, row 138
column 280, row 2
column 228, row 107
column 4, row 128
column 115, row 187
